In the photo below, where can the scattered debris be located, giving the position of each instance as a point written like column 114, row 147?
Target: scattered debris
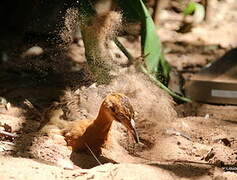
column 177, row 133
column 8, row 134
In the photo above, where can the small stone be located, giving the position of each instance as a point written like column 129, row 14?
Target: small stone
column 33, row 51
column 65, row 163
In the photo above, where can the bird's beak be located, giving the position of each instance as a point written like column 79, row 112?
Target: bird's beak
column 132, row 128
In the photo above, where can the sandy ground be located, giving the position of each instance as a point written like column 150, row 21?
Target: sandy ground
column 173, row 141
column 178, row 141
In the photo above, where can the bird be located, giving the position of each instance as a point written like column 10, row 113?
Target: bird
column 92, row 135
column 63, row 121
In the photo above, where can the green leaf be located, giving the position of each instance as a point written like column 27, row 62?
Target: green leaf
column 150, row 42
column 196, row 8
column 190, row 8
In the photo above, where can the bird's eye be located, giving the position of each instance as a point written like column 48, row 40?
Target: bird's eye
column 121, row 116
column 112, row 109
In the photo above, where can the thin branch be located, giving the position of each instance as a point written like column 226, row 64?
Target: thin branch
column 156, row 12
column 124, row 50
column 159, row 5
column 7, row 143
column 181, row 161
column 194, row 162
column 93, row 154
column 32, row 108
column 2, row 132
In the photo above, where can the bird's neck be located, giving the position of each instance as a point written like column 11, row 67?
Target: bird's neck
column 97, row 133
column 103, row 122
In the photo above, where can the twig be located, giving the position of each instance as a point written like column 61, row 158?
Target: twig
column 32, row 107
column 194, row 162
column 182, row 161
column 173, row 161
column 124, row 50
column 2, row 132
column 159, row 5
column 93, row 154
column 171, row 131
column 7, row 143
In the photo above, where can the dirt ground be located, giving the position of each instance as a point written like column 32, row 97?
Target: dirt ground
column 178, row 141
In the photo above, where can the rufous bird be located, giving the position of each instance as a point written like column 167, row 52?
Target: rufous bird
column 93, row 134
column 82, row 134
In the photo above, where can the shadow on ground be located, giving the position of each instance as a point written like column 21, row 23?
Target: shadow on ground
column 87, row 161
column 24, row 79
column 185, row 170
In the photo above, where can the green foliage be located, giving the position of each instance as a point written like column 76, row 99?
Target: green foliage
column 196, row 8
column 150, row 42
column 151, row 45
column 155, row 65
column 190, row 8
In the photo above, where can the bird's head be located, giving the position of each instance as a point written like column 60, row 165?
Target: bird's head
column 121, row 110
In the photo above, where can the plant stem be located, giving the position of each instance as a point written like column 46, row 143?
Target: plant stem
column 124, row 50
column 162, row 86
column 153, row 78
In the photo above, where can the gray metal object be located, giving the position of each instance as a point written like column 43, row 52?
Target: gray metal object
column 217, row 82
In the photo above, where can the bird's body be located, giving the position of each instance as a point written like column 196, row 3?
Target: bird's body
column 92, row 133
column 83, row 134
